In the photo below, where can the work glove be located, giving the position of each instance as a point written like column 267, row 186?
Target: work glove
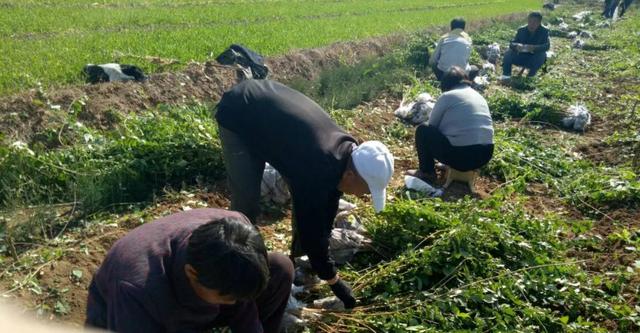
column 343, row 291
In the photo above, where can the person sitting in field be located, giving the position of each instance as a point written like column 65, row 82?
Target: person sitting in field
column 453, row 49
column 459, row 132
column 190, row 272
column 529, row 48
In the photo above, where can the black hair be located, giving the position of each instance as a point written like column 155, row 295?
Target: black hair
column 458, row 23
column 536, row 15
column 230, row 257
column 453, row 77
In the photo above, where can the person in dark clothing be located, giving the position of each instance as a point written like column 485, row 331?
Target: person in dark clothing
column 265, row 121
column 459, row 132
column 610, row 8
column 190, row 272
column 528, row 49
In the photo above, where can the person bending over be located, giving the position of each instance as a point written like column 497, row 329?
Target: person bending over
column 190, row 272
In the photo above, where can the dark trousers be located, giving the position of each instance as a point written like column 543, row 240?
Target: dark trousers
column 532, row 61
column 271, row 303
column 610, row 8
column 432, row 145
column 244, row 174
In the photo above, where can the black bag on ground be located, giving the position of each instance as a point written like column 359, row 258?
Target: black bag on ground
column 112, row 72
column 240, row 55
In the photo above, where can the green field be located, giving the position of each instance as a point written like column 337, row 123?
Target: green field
column 50, row 41
column 551, row 245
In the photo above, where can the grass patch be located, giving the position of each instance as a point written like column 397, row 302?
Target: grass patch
column 40, row 47
column 167, row 147
column 473, row 266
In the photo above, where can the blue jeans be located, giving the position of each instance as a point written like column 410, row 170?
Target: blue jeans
column 532, row 61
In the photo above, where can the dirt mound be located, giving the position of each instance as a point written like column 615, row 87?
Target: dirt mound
column 31, row 112
column 308, row 64
column 25, row 114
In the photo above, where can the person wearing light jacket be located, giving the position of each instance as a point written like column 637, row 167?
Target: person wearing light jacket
column 459, row 132
column 453, row 49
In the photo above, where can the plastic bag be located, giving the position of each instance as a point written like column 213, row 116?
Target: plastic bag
column 493, row 53
column 417, row 184
column 273, row 187
column 416, row 112
column 579, row 118
column 581, row 15
column 329, row 303
column 345, row 243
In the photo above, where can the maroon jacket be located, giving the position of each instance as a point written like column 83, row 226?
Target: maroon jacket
column 141, row 285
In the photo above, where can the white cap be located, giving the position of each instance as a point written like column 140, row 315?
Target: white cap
column 374, row 164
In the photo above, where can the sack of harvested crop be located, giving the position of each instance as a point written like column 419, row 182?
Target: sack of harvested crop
column 345, row 243
column 329, row 303
column 487, row 68
column 252, row 62
column 418, row 111
column 273, row 187
column 346, row 218
column 582, row 16
column 480, row 82
column 493, row 53
column 563, row 27
column 579, row 118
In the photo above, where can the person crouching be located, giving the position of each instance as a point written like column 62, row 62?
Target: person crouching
column 459, row 132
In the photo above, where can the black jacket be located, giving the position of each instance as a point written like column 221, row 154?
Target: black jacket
column 540, row 39
column 295, row 135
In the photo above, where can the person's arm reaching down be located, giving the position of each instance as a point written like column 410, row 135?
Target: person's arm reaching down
column 314, row 223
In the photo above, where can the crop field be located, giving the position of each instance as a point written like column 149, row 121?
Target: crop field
column 550, row 243
column 49, row 42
